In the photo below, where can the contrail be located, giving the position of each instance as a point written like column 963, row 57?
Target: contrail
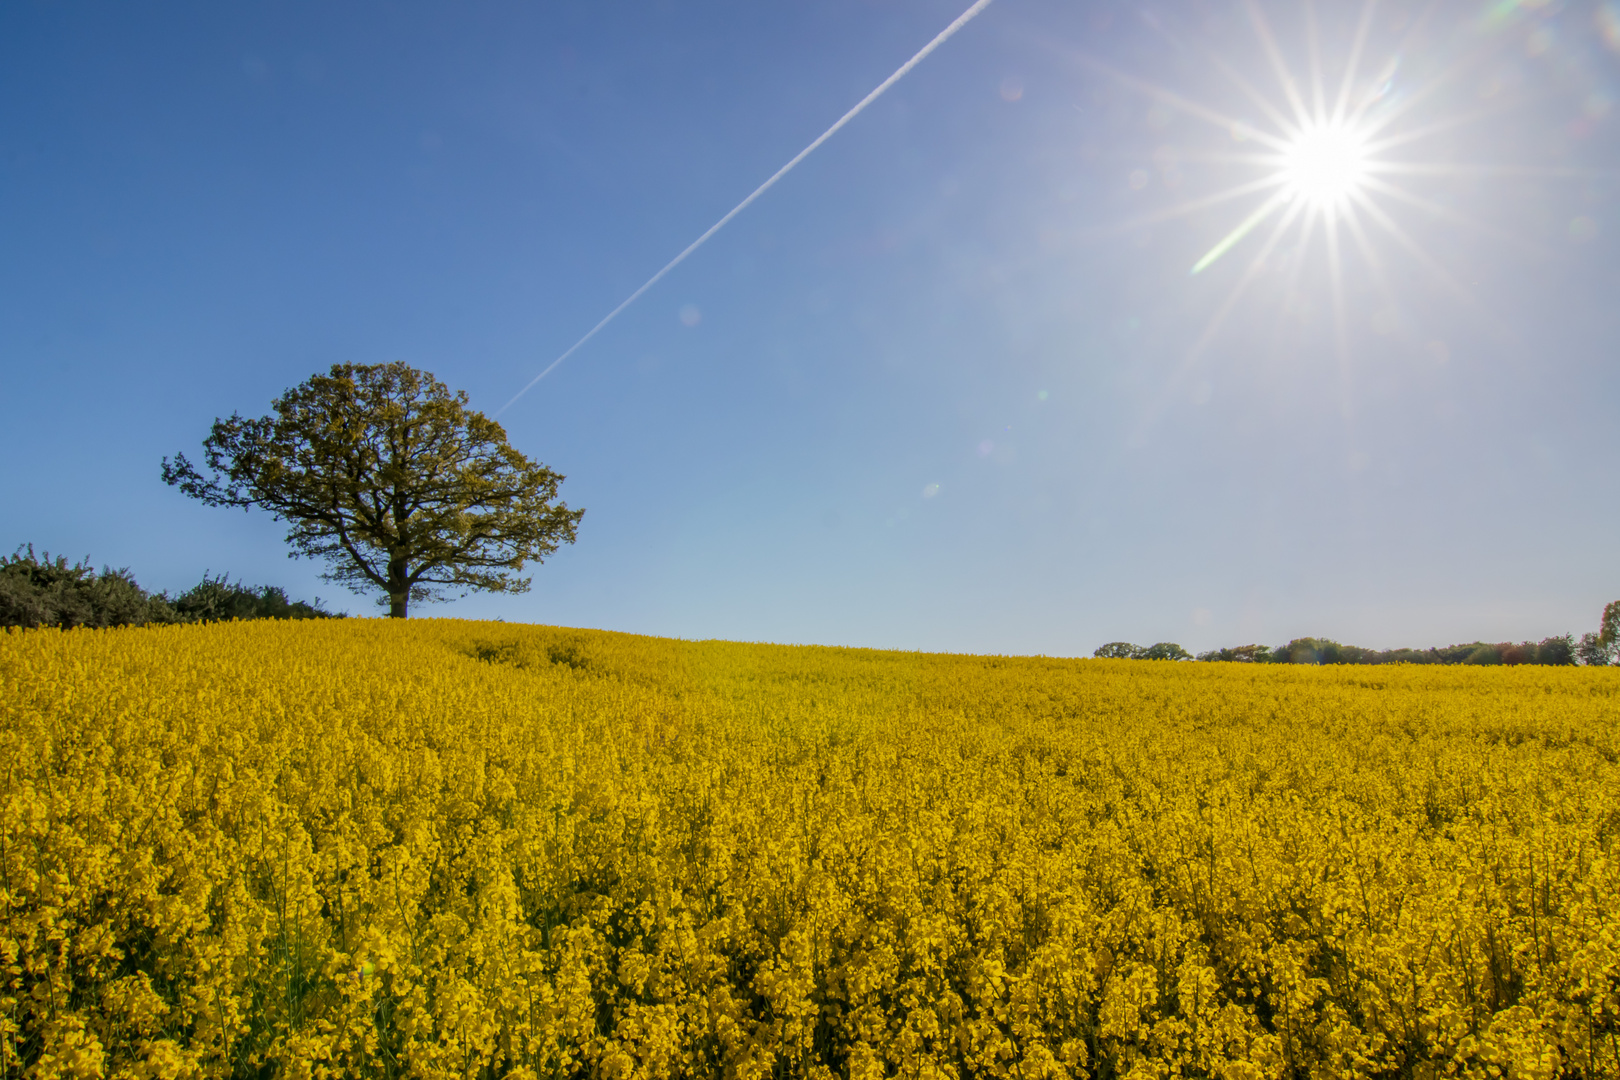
column 961, row 21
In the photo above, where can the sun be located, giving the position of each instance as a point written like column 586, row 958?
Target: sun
column 1331, row 164
column 1321, row 169
column 1325, row 165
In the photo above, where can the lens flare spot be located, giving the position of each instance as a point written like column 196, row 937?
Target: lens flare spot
column 1608, row 21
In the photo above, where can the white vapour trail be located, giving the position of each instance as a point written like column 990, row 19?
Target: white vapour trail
column 939, row 39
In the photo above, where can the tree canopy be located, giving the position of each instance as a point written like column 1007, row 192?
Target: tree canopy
column 391, row 478
column 1124, row 650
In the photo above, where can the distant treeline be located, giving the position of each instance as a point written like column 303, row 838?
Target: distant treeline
column 1595, row 649
column 1553, row 650
column 42, row 591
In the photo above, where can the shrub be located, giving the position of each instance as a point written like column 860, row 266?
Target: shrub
column 218, row 599
column 42, row 591
column 38, row 590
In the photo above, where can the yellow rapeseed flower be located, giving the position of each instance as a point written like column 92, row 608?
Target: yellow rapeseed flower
column 456, row 849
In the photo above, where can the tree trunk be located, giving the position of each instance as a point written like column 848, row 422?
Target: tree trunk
column 399, row 587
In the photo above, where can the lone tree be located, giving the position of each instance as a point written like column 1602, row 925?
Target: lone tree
column 380, row 470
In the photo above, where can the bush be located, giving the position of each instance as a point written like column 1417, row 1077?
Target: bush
column 40, row 591
column 220, row 600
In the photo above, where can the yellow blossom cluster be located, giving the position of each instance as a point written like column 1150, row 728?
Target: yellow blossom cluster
column 457, row 849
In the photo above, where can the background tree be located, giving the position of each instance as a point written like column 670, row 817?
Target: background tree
column 1609, row 629
column 1556, row 651
column 1592, row 652
column 1164, row 650
column 1239, row 654
column 383, row 472
column 1599, row 649
column 1124, row 650
column 1118, row 650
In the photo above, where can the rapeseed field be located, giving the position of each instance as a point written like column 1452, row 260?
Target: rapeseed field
column 457, row 849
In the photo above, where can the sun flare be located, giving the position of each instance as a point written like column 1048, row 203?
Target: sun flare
column 1325, row 165
column 1330, row 154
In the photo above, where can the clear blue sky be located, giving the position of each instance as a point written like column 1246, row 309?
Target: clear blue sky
column 933, row 390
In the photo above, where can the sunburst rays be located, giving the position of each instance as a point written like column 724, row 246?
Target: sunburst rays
column 1326, row 164
column 1333, row 157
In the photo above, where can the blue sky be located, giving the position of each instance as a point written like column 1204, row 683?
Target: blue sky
column 934, row 390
